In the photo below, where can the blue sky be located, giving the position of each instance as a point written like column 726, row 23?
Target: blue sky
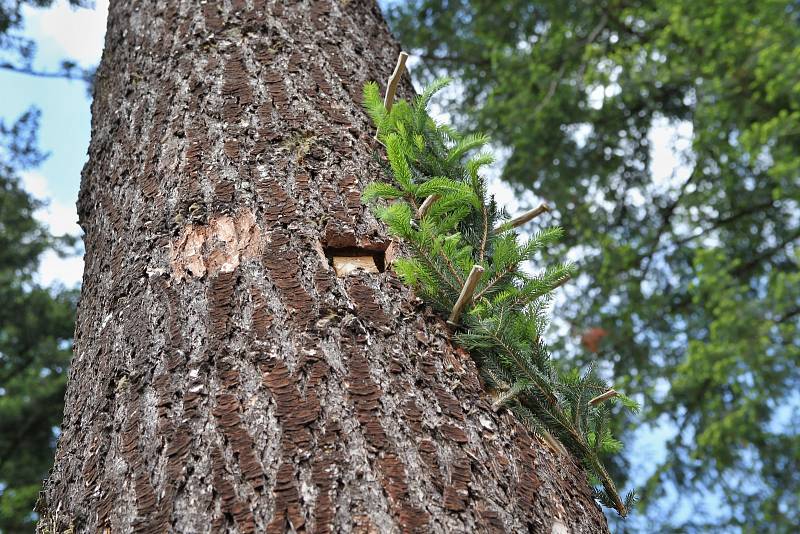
column 60, row 32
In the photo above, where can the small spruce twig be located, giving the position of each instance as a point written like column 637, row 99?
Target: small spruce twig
column 562, row 281
column 485, row 232
column 451, row 267
column 466, row 293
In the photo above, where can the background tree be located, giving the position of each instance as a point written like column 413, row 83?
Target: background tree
column 36, row 323
column 690, row 281
column 225, row 378
column 35, row 336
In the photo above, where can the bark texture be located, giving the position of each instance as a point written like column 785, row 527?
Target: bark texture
column 224, row 378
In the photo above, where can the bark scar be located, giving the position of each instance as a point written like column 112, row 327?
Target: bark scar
column 217, row 247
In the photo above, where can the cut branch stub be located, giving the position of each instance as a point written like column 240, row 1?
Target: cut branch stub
column 394, row 79
column 426, row 205
column 524, row 218
column 555, row 445
column 466, row 293
column 610, row 394
column 344, row 265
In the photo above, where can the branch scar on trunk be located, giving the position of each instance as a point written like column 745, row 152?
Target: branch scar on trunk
column 217, row 247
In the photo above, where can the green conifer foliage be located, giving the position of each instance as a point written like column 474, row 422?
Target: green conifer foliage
column 502, row 326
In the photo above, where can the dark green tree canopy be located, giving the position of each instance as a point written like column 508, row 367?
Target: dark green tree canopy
column 691, row 283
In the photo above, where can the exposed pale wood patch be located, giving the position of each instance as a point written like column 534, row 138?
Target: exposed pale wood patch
column 217, row 247
column 344, row 265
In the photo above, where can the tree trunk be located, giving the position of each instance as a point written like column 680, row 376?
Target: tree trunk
column 225, row 379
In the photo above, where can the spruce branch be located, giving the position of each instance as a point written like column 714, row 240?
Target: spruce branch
column 485, row 235
column 562, row 281
column 452, row 269
column 499, row 317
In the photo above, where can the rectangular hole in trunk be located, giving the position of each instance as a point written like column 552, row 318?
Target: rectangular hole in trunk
column 349, row 259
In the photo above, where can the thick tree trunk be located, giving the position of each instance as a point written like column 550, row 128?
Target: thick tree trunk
column 225, row 379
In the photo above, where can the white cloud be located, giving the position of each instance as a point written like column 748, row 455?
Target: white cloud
column 35, row 184
column 61, row 219
column 61, row 32
column 64, row 32
column 56, row 270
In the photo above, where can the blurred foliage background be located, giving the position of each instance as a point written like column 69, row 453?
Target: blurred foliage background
column 690, row 289
column 690, row 283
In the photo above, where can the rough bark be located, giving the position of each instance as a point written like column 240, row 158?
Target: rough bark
column 225, row 379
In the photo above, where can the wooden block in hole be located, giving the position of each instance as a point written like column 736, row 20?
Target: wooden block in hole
column 344, row 265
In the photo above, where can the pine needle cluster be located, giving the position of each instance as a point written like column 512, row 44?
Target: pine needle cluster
column 461, row 226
